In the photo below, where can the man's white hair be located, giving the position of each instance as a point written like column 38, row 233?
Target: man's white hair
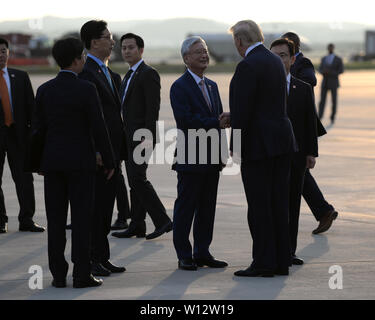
column 186, row 45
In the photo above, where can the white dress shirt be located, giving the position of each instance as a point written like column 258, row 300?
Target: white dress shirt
column 134, row 68
column 288, row 77
column 252, row 47
column 330, row 58
column 7, row 80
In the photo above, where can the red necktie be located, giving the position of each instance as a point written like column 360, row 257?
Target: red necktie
column 5, row 101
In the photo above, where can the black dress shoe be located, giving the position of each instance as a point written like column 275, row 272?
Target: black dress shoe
column 59, row 283
column 68, row 227
column 159, row 231
column 252, row 272
column 297, row 261
column 210, row 262
column 282, row 272
column 129, row 233
column 32, row 227
column 111, row 267
column 98, row 270
column 326, row 222
column 119, row 225
column 3, row 227
column 86, row 283
column 187, row 264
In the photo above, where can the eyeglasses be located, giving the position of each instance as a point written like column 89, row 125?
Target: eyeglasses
column 200, row 52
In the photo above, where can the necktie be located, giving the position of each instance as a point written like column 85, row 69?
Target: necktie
column 106, row 72
column 201, row 85
column 5, row 101
column 125, row 83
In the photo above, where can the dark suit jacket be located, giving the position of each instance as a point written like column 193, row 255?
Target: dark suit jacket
column 68, row 127
column 302, row 114
column 303, row 69
column 23, row 104
column 111, row 105
column 331, row 72
column 258, row 106
column 192, row 112
column 142, row 102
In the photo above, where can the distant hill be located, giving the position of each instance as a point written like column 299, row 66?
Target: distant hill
column 170, row 32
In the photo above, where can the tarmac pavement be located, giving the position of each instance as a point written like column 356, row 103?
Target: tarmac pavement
column 345, row 172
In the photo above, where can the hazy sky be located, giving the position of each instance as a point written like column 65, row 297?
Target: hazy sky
column 230, row 11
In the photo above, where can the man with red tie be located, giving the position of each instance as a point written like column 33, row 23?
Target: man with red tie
column 16, row 107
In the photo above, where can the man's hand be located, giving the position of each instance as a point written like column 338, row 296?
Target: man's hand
column 310, row 162
column 109, row 173
column 224, row 119
column 99, row 160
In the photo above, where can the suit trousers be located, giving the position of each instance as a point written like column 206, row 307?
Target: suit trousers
column 297, row 174
column 105, row 194
column 323, row 96
column 9, row 146
column 314, row 197
column 122, row 200
column 143, row 197
column 266, row 184
column 196, row 199
column 60, row 190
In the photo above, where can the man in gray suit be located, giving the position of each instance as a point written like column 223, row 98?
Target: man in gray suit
column 331, row 66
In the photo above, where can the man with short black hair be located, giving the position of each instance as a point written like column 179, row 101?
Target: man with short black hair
column 16, row 108
column 99, row 44
column 323, row 211
column 301, row 112
column 69, row 129
column 140, row 96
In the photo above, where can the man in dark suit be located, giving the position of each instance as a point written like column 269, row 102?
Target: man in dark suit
column 196, row 105
column 331, row 67
column 323, row 211
column 16, row 107
column 302, row 68
column 69, row 128
column 122, row 203
column 301, row 112
column 140, row 96
column 99, row 44
column 258, row 108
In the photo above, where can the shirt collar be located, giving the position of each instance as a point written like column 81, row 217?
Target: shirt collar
column 196, row 78
column 297, row 54
column 135, row 67
column 97, row 60
column 69, row 71
column 5, row 69
column 252, row 47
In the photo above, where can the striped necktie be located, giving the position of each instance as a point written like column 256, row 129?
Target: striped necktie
column 201, row 85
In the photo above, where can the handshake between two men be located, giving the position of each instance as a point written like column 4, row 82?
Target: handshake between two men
column 224, row 119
